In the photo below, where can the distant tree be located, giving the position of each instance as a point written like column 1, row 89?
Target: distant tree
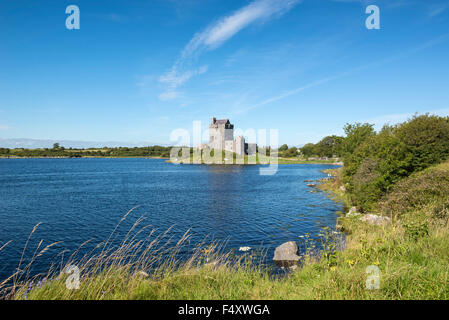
column 329, row 146
column 56, row 146
column 291, row 152
column 284, row 147
column 308, row 150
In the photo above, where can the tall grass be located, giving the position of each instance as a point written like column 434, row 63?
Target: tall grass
column 116, row 269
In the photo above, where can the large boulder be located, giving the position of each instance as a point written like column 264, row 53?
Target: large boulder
column 375, row 219
column 286, row 254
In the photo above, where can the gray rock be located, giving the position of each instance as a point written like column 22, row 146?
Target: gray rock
column 286, row 254
column 342, row 189
column 375, row 219
column 352, row 212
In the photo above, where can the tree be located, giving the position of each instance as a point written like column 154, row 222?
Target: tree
column 427, row 138
column 356, row 134
column 56, row 146
column 308, row 150
column 292, row 152
column 329, row 146
column 284, row 147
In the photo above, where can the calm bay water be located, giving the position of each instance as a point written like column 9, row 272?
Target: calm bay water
column 81, row 199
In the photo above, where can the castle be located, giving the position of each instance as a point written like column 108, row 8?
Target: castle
column 221, row 137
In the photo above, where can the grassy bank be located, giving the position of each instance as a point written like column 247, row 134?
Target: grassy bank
column 411, row 252
column 258, row 159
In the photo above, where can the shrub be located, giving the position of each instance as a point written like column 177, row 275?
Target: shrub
column 379, row 161
column 427, row 188
column 427, row 139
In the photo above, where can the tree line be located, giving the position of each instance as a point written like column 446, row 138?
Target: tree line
column 60, row 151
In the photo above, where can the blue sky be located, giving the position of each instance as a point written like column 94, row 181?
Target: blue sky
column 136, row 69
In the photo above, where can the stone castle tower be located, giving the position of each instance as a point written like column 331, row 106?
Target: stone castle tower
column 221, row 137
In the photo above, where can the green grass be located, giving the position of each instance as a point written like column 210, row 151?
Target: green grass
column 412, row 254
column 253, row 160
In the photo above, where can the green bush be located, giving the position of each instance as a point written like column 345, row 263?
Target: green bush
column 423, row 189
column 427, row 139
column 374, row 163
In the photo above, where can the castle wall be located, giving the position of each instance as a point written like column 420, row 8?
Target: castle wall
column 229, row 145
column 221, row 137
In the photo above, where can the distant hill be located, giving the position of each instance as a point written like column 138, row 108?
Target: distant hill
column 40, row 143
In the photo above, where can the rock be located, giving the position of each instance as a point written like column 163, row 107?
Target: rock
column 286, row 254
column 352, row 212
column 375, row 219
column 311, row 185
column 142, row 274
column 339, row 227
column 342, row 189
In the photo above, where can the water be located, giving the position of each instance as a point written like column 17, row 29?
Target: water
column 81, row 199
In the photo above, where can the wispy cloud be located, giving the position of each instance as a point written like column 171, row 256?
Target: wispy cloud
column 221, row 31
column 325, row 80
column 4, row 127
column 214, row 36
column 173, row 80
column 438, row 9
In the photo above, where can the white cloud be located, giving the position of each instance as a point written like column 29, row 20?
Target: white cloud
column 4, row 127
column 436, row 10
column 173, row 80
column 221, row 31
column 168, row 95
column 215, row 35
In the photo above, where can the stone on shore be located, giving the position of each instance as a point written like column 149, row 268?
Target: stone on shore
column 353, row 212
column 375, row 219
column 286, row 254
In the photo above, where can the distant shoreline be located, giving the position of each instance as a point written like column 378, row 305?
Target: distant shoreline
column 84, row 157
column 280, row 161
